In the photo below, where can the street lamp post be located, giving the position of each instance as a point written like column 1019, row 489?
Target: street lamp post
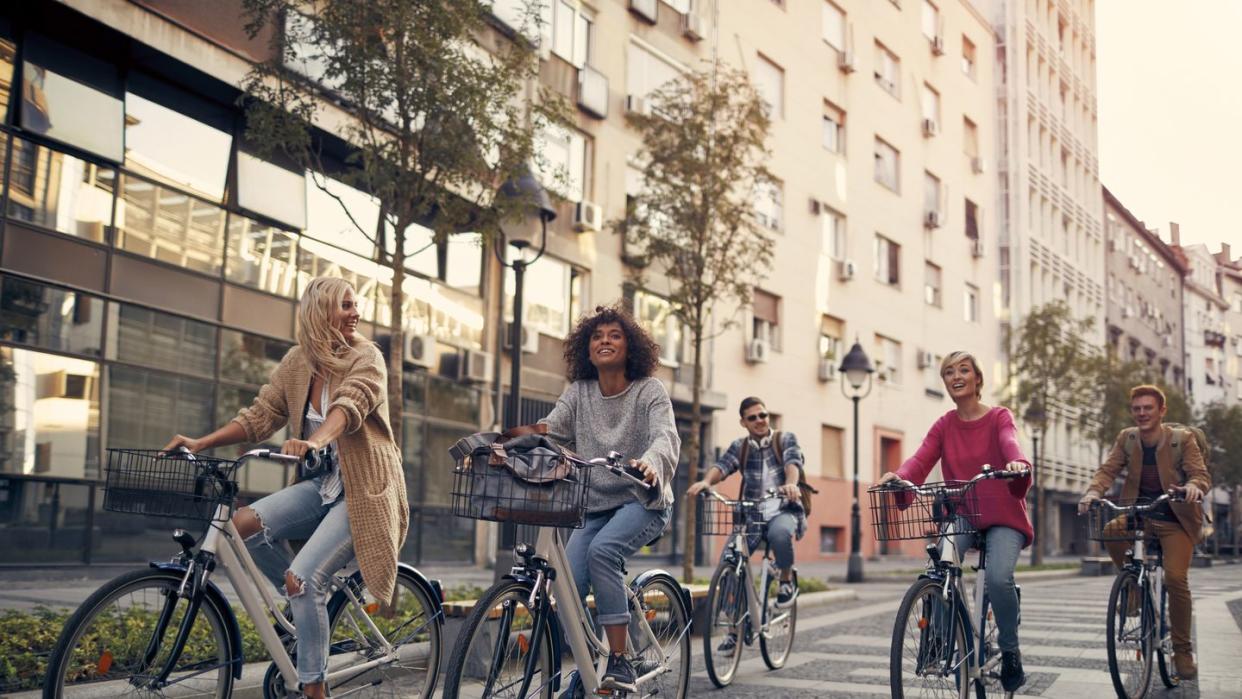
column 858, row 370
column 1036, row 420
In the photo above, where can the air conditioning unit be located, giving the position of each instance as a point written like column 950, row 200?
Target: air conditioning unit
column 420, row 350
column 931, row 219
column 473, row 366
column 937, row 45
column 846, row 61
column 692, row 26
column 846, row 270
column 757, row 351
column 976, row 248
column 976, row 165
column 530, row 338
column 925, row 359
column 827, row 369
column 588, row 217
column 636, row 104
column 930, row 127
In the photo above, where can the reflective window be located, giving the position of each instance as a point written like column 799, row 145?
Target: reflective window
column 60, row 192
column 463, row 267
column 316, row 259
column 8, row 54
column 341, row 215
column 164, row 224
column 262, row 256
column 159, row 340
column 63, row 108
column 545, row 298
column 422, row 254
column 146, row 408
column 49, row 414
column 43, row 522
column 562, row 161
column 48, row 317
column 430, row 308
column 656, row 316
column 270, row 190
column 173, row 148
column 249, row 359
column 453, row 401
column 260, row 476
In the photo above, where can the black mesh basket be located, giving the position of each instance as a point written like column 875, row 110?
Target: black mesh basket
column 718, row 518
column 1106, row 524
column 898, row 514
column 175, row 484
column 491, row 492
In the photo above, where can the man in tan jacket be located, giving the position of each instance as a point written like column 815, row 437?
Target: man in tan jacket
column 1157, row 458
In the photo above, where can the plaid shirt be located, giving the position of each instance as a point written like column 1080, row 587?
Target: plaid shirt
column 760, row 472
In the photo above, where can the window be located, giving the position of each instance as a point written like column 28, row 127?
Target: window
column 834, row 128
column 571, row 32
column 164, row 224
column 173, row 148
column 545, row 296
column 971, row 304
column 832, row 452
column 972, row 220
column 51, row 405
column 930, row 20
column 831, row 539
column 531, row 19
column 60, row 192
column 766, row 314
column 770, row 82
column 933, row 384
column 72, row 98
column 262, row 256
column 44, row 316
column 144, row 407
column 270, row 190
column 769, row 206
column 970, row 137
column 562, row 165
column 646, row 72
column 931, row 104
column 887, row 70
column 887, row 165
column 888, row 359
column 968, row 57
column 341, row 215
column 931, row 285
column 834, row 26
column 656, row 316
column 249, row 359
column 831, row 330
column 887, row 261
column 832, row 229
column 8, row 53
column 159, row 340
column 931, row 193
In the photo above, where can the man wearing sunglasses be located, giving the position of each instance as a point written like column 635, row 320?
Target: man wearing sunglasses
column 766, row 459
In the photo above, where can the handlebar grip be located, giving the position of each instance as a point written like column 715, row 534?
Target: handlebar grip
column 1007, row 474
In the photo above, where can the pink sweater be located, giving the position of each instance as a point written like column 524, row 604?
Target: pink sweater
column 962, row 448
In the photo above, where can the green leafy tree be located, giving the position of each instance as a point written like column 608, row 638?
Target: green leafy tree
column 1109, row 381
column 1051, row 370
column 440, row 107
column 1222, row 424
column 702, row 157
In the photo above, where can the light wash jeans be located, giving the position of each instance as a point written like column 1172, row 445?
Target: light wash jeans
column 597, row 554
column 298, row 512
column 780, row 535
column 1003, row 548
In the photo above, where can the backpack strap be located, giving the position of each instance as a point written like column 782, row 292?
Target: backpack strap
column 742, row 457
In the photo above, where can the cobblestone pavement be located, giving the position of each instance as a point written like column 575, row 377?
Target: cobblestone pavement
column 842, row 650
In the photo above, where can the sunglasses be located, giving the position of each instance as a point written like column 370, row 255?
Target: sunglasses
column 756, row 416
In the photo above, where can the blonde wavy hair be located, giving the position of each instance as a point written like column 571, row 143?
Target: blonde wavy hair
column 327, row 350
column 954, row 358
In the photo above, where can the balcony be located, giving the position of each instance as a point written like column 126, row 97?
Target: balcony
column 593, row 92
column 1211, row 338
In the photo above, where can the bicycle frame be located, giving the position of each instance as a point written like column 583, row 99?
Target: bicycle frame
column 740, row 545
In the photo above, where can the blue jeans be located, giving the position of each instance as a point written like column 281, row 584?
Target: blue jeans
column 1003, row 547
column 780, row 535
column 597, row 554
column 298, row 512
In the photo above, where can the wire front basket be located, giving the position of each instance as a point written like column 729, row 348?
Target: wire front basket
column 175, row 484
column 899, row 514
column 1106, row 524
column 718, row 518
column 493, row 493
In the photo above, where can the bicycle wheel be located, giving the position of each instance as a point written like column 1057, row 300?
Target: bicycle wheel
column 490, row 656
column 926, row 658
column 988, row 685
column 115, row 642
column 776, row 642
column 666, row 614
column 723, row 634
column 1164, row 648
column 1131, row 635
column 409, row 625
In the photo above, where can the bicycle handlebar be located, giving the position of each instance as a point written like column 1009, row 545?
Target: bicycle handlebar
column 614, row 462
column 1143, row 508
column 988, row 473
column 771, row 493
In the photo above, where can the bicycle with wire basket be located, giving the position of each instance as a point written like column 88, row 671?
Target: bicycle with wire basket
column 740, row 608
column 168, row 630
column 511, row 642
column 1138, row 619
column 943, row 646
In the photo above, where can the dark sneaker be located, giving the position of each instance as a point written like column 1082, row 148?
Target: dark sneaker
column 619, row 674
column 728, row 644
column 1012, row 675
column 785, row 595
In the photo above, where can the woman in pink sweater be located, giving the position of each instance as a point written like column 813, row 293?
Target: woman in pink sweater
column 963, row 440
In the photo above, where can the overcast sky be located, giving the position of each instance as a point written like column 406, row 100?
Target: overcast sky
column 1170, row 109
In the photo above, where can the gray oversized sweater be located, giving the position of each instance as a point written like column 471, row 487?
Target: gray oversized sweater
column 638, row 423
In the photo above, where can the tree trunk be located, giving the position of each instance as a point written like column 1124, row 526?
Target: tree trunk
column 396, row 348
column 692, row 458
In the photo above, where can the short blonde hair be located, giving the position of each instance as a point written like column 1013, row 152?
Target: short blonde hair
column 325, row 347
column 1148, row 390
column 958, row 356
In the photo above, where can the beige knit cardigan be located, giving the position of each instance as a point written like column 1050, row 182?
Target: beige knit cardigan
column 370, row 460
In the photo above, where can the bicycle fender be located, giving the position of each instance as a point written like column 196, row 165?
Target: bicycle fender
column 231, row 626
column 686, row 600
column 430, row 587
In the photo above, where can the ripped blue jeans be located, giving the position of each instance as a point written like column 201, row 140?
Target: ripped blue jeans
column 298, row 512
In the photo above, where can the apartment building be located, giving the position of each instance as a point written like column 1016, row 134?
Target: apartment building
column 1231, row 290
column 1052, row 214
column 1145, row 296
column 1207, row 379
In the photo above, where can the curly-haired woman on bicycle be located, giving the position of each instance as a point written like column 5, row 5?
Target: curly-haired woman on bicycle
column 963, row 440
column 614, row 404
column 331, row 390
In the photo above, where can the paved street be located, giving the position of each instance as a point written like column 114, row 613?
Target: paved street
column 842, row 651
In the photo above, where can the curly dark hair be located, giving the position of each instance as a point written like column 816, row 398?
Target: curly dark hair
column 642, row 354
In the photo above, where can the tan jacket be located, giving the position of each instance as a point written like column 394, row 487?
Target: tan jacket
column 1128, row 452
column 370, row 460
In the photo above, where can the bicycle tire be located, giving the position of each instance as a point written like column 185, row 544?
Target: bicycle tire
column 773, row 655
column 666, row 613
column 210, row 628
column 1164, row 661
column 511, row 593
column 1139, row 640
column 923, row 598
column 725, row 595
